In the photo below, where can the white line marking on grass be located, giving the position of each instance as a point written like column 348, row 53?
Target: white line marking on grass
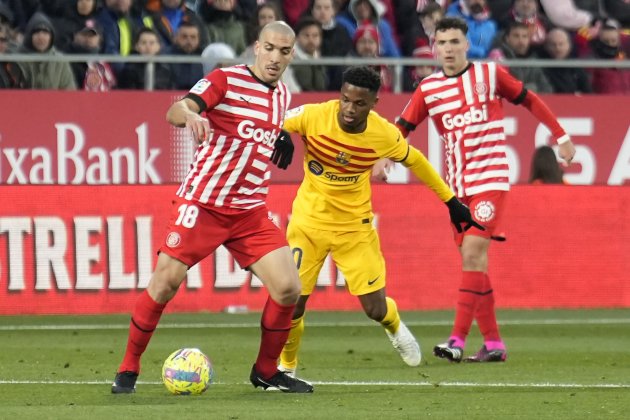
column 359, row 383
column 199, row 325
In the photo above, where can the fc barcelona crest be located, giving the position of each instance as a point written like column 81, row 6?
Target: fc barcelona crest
column 343, row 158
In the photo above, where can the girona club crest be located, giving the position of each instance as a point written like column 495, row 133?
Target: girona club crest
column 173, row 240
column 481, row 88
column 484, row 211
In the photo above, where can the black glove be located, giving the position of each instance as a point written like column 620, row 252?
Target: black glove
column 460, row 213
column 282, row 150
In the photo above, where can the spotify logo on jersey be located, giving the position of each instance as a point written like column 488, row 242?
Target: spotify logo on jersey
column 315, row 167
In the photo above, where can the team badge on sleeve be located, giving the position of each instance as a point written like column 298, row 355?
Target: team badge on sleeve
column 200, row 87
column 294, row 112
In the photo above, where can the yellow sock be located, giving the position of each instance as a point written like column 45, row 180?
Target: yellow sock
column 288, row 357
column 391, row 322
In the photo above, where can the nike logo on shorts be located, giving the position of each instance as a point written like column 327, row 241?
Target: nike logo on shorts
column 371, row 282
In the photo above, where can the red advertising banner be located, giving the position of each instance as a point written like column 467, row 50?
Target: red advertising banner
column 91, row 249
column 76, row 138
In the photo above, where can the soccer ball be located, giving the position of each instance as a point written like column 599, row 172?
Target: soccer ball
column 187, row 372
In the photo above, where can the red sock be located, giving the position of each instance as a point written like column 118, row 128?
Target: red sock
column 485, row 316
column 467, row 301
column 275, row 324
column 145, row 317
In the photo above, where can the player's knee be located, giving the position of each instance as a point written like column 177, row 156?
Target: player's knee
column 289, row 291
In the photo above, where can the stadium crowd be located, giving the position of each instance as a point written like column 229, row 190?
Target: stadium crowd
column 227, row 29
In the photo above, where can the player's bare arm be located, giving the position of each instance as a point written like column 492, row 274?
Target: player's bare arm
column 185, row 113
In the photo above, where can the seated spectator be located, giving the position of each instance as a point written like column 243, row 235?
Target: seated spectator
column 545, row 167
column 168, row 16
column 92, row 76
column 370, row 11
column 187, row 42
column 223, row 23
column 39, row 39
column 516, row 45
column 415, row 74
column 72, row 21
column 429, row 16
column 526, row 11
column 336, row 42
column 366, row 44
column 293, row 10
column 133, row 75
column 11, row 74
column 609, row 45
column 308, row 41
column 481, row 27
column 564, row 79
column 119, row 24
column 215, row 54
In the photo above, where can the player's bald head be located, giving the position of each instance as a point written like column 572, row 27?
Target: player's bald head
column 279, row 27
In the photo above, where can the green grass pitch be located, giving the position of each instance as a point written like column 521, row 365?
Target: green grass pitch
column 561, row 365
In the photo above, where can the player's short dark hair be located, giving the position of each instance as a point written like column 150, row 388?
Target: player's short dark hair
column 450, row 22
column 363, row 76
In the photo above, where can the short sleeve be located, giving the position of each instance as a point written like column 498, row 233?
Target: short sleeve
column 295, row 120
column 209, row 91
column 510, row 87
column 413, row 114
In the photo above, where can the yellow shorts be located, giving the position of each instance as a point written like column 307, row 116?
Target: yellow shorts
column 357, row 255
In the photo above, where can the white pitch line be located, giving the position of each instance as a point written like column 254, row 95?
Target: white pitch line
column 198, row 325
column 359, row 383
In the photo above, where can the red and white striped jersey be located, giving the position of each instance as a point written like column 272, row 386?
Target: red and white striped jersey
column 467, row 111
column 232, row 169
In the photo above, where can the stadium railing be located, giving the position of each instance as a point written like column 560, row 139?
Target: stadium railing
column 397, row 64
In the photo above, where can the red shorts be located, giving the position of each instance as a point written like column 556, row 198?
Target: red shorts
column 194, row 232
column 487, row 210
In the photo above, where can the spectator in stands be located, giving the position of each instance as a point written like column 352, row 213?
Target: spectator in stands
column 308, row 42
column 429, row 16
column 566, row 14
column 370, row 11
column 119, row 26
column 39, row 39
column 93, row 76
column 133, row 75
column 336, row 42
column 265, row 13
column 11, row 74
column 14, row 38
column 293, row 10
column 415, row 74
column 609, row 45
column 169, row 16
column 564, row 79
column 526, row 11
column 214, row 56
column 481, row 27
column 545, row 168
column 516, row 46
column 187, row 43
column 223, row 24
column 73, row 20
column 366, row 44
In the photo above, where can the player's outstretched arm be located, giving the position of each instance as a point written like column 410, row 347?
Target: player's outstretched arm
column 283, row 148
column 185, row 113
column 426, row 173
column 540, row 110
